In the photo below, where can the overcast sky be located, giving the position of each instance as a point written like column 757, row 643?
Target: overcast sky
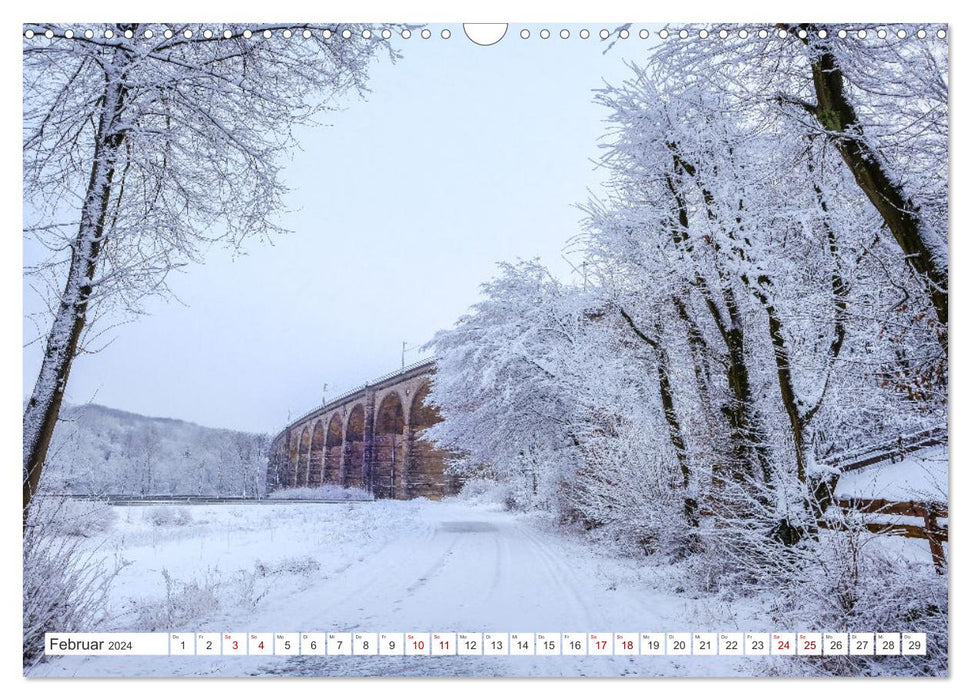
column 401, row 204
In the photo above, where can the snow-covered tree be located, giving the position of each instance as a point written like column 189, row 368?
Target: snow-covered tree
column 878, row 97
column 746, row 315
column 146, row 143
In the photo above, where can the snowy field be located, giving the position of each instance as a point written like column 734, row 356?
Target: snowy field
column 385, row 566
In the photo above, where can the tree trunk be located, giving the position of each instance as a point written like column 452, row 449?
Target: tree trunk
column 749, row 450
column 676, row 435
column 834, row 113
column 787, row 390
column 44, row 405
column 675, row 432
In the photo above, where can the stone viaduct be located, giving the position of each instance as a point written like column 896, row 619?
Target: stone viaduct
column 368, row 438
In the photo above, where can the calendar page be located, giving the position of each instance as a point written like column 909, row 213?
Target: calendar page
column 548, row 349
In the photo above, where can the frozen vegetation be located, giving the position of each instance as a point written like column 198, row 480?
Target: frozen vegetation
column 466, row 564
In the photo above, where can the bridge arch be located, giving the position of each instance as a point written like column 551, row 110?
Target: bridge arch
column 276, row 475
column 426, row 463
column 290, row 475
column 316, row 455
column 303, row 458
column 354, row 448
column 389, row 447
column 333, row 450
column 422, row 414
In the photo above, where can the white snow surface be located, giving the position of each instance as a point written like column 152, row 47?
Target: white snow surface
column 392, row 566
column 920, row 476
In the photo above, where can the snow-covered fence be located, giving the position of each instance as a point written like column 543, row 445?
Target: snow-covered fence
column 929, row 511
column 891, row 450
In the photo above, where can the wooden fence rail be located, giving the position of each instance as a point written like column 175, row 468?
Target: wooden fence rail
column 887, row 451
column 929, row 511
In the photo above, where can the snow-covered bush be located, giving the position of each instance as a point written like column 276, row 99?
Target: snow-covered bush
column 67, row 516
column 65, row 588
column 167, row 516
column 481, row 489
column 303, row 566
column 184, row 602
column 857, row 581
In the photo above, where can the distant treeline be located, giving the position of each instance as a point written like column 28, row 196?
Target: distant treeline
column 103, row 450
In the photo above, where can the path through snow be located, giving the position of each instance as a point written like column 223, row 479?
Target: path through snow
column 394, row 567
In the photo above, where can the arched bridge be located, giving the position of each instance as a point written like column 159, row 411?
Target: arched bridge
column 368, row 438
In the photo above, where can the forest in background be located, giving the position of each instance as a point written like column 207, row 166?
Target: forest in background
column 99, row 450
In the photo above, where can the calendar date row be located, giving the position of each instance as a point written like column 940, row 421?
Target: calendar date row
column 489, row 644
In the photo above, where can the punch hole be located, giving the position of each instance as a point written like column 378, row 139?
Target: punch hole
column 488, row 34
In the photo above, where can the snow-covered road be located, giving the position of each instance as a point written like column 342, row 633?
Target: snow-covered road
column 397, row 567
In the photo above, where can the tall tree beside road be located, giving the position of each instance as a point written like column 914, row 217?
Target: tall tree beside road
column 143, row 145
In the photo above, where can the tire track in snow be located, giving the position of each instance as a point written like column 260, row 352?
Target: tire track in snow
column 559, row 574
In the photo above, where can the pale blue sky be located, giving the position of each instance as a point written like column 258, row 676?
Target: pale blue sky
column 460, row 156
